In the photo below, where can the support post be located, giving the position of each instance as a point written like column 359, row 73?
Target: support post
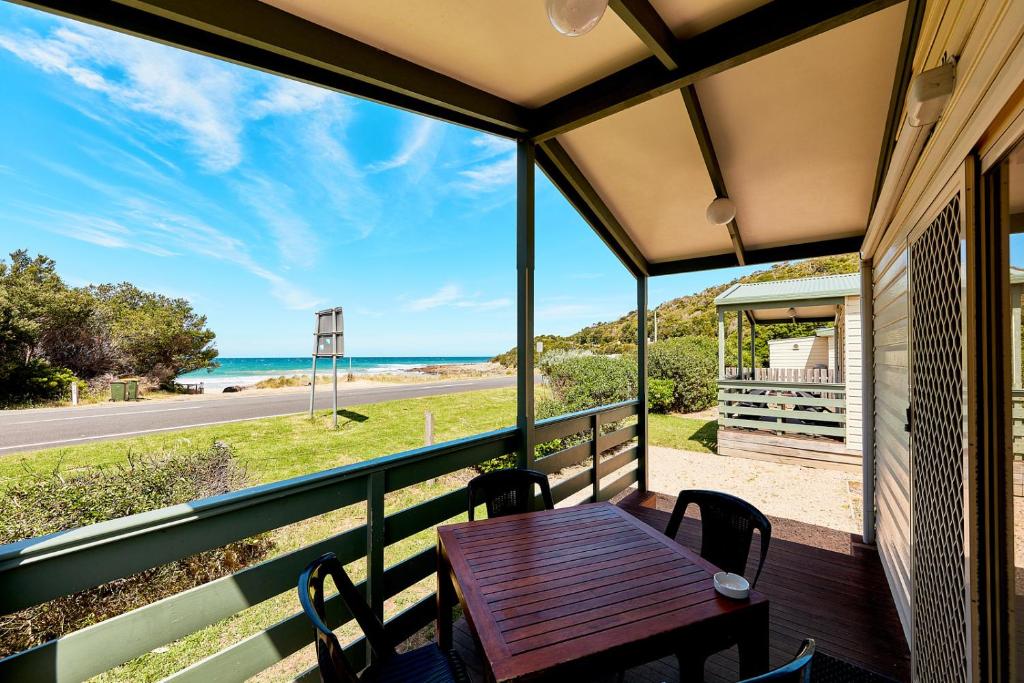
column 1015, row 293
column 721, row 344
column 739, row 345
column 312, row 387
column 334, row 373
column 526, row 153
column 867, row 384
column 642, row 475
column 753, row 348
column 375, row 485
column 595, row 455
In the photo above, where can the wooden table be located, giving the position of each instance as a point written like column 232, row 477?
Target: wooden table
column 583, row 590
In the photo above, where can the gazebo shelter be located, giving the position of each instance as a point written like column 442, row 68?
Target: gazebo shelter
column 806, row 407
column 690, row 135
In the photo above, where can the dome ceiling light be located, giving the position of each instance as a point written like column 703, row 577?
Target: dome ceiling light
column 721, row 211
column 575, row 17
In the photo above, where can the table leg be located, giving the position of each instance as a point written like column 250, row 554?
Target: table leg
column 753, row 644
column 445, row 600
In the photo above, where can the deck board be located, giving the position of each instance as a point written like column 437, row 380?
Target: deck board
column 822, row 584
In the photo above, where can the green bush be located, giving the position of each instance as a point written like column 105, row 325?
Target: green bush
column 690, row 362
column 41, row 504
column 661, row 394
column 580, row 381
column 33, row 382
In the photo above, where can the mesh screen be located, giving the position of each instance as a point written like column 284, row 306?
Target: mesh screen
column 937, row 486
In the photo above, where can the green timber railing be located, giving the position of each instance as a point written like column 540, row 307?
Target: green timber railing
column 811, row 409
column 38, row 570
column 1018, row 442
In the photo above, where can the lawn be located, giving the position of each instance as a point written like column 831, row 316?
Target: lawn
column 282, row 447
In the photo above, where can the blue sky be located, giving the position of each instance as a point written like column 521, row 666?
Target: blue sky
column 260, row 200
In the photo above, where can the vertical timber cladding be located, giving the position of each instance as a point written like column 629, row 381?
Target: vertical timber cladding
column 938, row 558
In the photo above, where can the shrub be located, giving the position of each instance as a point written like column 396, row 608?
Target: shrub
column 33, row 382
column 690, row 362
column 42, row 504
column 580, row 381
column 661, row 394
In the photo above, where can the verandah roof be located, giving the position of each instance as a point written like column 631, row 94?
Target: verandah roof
column 807, row 299
column 787, row 107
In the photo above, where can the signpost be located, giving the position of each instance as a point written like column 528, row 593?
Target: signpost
column 328, row 342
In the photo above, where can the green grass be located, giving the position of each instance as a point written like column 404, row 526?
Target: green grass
column 282, row 447
column 684, row 433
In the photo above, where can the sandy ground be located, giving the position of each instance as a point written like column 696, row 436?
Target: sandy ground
column 828, row 498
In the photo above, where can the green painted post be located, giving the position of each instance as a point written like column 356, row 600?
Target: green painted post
column 739, row 345
column 595, row 454
column 641, row 373
column 375, row 484
column 721, row 344
column 525, row 262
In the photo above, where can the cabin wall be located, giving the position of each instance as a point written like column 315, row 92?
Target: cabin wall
column 851, row 365
column 892, row 444
column 805, row 353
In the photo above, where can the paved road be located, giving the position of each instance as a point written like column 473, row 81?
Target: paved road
column 26, row 430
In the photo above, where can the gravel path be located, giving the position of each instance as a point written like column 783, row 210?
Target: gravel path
column 823, row 497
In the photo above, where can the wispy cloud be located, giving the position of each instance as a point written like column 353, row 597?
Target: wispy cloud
column 417, row 138
column 270, row 201
column 488, row 177
column 188, row 91
column 452, row 296
column 491, row 145
column 285, row 96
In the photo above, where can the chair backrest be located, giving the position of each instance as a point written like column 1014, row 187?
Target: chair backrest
column 796, row 671
column 727, row 528
column 508, row 492
column 330, row 657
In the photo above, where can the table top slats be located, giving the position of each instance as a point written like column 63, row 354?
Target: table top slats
column 637, row 566
column 539, row 568
column 568, row 537
column 546, row 589
column 551, row 612
column 604, row 618
column 539, row 553
column 587, row 591
column 518, row 588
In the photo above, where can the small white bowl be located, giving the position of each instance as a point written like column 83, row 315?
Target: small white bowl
column 732, row 586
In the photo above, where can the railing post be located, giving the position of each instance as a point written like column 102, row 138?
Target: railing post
column 721, row 344
column 375, row 547
column 641, row 374
column 595, row 454
column 525, row 158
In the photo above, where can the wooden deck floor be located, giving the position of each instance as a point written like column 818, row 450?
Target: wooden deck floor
column 822, row 584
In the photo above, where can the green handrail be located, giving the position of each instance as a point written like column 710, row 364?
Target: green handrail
column 36, row 570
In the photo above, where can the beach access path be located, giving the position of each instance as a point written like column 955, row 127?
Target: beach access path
column 34, row 429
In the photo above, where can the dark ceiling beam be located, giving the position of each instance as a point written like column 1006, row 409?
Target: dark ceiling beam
column 259, row 35
column 648, row 25
column 567, row 177
column 707, row 150
column 641, row 17
column 900, row 84
column 761, row 31
column 791, row 252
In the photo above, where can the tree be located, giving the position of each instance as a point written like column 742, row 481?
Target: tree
column 155, row 335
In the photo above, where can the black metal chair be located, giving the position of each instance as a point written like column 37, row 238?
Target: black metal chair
column 727, row 529
column 428, row 663
column 796, row 671
column 508, row 492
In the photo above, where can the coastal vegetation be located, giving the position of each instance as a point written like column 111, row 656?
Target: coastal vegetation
column 53, row 335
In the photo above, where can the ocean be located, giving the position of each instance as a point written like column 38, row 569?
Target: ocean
column 244, row 371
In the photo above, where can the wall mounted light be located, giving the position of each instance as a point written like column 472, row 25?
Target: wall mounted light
column 575, row 17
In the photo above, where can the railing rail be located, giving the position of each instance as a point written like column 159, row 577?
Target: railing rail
column 809, row 375
column 796, row 408
column 37, row 570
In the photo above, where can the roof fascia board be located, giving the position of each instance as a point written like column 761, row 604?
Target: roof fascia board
column 841, row 245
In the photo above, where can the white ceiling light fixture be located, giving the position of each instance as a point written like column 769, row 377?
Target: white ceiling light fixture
column 575, row 17
column 721, row 211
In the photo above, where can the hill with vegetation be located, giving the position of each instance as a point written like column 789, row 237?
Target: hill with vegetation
column 694, row 315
